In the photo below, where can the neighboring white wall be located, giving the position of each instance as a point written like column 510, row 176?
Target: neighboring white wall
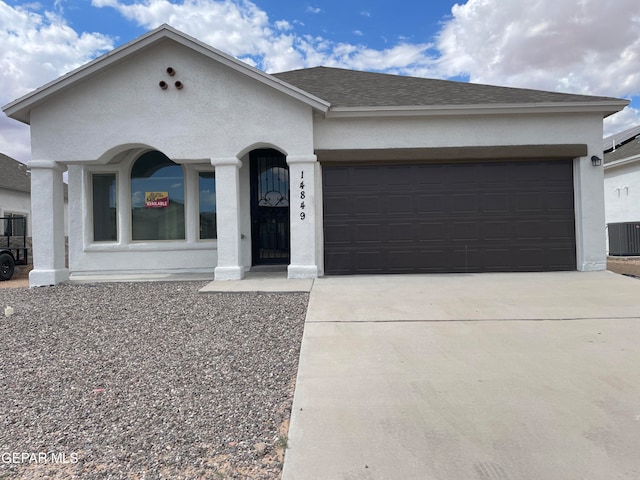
column 20, row 202
column 622, row 193
column 12, row 201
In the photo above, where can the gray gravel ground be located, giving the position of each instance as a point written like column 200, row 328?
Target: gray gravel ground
column 146, row 381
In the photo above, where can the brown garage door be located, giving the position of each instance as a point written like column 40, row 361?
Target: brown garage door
column 464, row 217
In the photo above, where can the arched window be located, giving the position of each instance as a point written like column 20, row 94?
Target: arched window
column 157, row 198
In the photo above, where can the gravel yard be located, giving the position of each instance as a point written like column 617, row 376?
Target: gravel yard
column 146, row 381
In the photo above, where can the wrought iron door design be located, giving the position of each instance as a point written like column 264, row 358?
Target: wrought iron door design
column 270, row 223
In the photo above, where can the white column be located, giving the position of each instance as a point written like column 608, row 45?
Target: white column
column 228, row 218
column 47, row 220
column 589, row 210
column 304, row 229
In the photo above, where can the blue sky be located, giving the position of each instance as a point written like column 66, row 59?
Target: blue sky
column 576, row 46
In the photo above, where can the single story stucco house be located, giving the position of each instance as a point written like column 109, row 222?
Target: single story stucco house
column 181, row 158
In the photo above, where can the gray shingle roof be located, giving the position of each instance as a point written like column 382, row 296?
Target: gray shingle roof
column 630, row 147
column 617, row 139
column 349, row 88
column 13, row 175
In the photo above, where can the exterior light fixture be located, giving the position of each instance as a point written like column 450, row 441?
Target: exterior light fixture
column 171, row 71
column 179, row 85
column 163, row 85
column 596, row 161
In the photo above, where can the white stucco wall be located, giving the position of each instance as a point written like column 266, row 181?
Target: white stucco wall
column 102, row 126
column 454, row 131
column 493, row 130
column 622, row 193
column 218, row 113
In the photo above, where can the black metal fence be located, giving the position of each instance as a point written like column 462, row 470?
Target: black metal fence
column 624, row 239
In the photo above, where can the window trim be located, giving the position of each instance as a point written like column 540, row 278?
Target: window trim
column 90, row 208
column 197, row 172
column 122, row 169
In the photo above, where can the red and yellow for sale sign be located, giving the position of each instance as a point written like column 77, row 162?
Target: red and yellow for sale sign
column 156, row 199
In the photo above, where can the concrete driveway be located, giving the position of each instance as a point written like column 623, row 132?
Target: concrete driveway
column 480, row 377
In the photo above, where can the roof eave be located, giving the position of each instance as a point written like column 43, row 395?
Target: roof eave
column 622, row 162
column 605, row 107
column 20, row 109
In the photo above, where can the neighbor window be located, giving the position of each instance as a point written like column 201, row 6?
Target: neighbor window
column 207, row 202
column 157, row 198
column 15, row 224
column 104, row 207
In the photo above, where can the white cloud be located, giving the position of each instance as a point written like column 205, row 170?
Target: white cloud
column 244, row 31
column 587, row 46
column 621, row 121
column 283, row 25
column 36, row 46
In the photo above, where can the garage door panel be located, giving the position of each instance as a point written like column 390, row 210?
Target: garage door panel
column 529, row 202
column 400, row 205
column 370, row 261
column 369, row 233
column 559, row 202
column 333, row 178
column 464, row 231
column 432, row 232
column 496, row 259
column 366, row 177
column 560, row 230
column 495, row 203
column 530, row 230
column 337, row 234
column 532, row 258
column 463, row 203
column 480, row 217
column 433, row 204
column 368, row 205
column 401, row 233
column 401, row 261
column 337, row 206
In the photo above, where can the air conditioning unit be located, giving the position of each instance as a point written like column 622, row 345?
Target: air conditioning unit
column 624, row 239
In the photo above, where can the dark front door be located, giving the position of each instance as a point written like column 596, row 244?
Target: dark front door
column 269, row 208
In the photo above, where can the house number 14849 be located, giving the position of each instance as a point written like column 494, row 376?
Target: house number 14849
column 302, row 197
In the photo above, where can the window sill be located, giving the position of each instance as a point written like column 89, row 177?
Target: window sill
column 157, row 246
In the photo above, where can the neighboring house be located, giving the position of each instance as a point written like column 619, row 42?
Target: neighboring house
column 15, row 188
column 15, row 193
column 184, row 159
column 622, row 184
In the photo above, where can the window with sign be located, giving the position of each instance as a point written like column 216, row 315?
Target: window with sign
column 157, row 198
